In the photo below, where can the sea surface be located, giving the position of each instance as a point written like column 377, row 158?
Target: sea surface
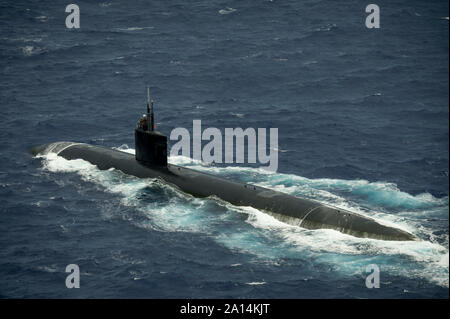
column 362, row 118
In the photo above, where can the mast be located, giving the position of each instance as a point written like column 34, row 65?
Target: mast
column 148, row 110
column 152, row 118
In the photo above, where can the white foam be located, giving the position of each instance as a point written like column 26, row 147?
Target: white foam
column 256, row 283
column 131, row 29
column 42, row 18
column 125, row 148
column 238, row 115
column 266, row 236
column 30, row 50
column 50, row 269
column 227, row 10
column 432, row 257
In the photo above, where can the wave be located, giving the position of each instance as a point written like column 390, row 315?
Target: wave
column 130, row 29
column 42, row 18
column 327, row 27
column 245, row 229
column 238, row 115
column 379, row 193
column 227, row 11
column 30, row 50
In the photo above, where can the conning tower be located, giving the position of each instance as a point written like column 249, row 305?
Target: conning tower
column 150, row 145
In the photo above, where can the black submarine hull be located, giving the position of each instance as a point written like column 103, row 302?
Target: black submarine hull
column 293, row 210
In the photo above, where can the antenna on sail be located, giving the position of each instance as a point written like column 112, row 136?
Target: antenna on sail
column 152, row 118
column 148, row 100
column 150, row 125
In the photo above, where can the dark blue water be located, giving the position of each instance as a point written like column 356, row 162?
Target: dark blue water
column 363, row 124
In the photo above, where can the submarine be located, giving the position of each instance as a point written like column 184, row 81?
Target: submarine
column 150, row 161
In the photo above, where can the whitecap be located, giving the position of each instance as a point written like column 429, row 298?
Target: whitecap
column 228, row 10
column 238, row 115
column 42, row 18
column 50, row 269
column 30, row 50
column 131, row 29
column 256, row 283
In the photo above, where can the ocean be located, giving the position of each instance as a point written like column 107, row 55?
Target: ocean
column 362, row 118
